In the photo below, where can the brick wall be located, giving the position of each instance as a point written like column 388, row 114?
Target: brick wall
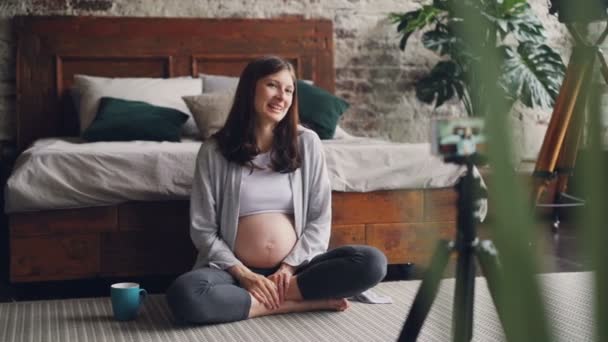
column 371, row 72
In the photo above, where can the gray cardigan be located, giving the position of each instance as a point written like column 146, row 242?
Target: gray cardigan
column 214, row 204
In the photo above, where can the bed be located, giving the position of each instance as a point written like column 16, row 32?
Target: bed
column 147, row 234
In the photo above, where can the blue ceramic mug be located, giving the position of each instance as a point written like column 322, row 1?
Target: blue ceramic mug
column 126, row 300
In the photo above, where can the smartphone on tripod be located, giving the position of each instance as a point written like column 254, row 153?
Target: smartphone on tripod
column 458, row 137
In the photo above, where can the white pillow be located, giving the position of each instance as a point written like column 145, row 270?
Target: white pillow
column 163, row 92
column 342, row 134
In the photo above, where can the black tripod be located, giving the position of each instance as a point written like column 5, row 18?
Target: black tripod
column 467, row 245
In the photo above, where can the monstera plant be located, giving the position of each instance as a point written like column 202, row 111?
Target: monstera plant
column 531, row 71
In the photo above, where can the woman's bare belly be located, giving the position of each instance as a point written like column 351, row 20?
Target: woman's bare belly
column 264, row 240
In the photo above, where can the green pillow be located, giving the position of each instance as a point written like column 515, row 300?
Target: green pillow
column 319, row 109
column 125, row 120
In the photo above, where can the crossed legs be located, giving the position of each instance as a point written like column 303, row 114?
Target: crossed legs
column 295, row 303
column 209, row 295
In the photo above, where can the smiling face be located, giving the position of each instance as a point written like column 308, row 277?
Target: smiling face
column 273, row 97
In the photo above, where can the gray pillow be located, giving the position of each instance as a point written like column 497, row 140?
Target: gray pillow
column 217, row 83
column 210, row 111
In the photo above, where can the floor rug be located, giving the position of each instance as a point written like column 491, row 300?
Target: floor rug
column 568, row 297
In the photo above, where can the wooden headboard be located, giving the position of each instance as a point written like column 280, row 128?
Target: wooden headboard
column 51, row 50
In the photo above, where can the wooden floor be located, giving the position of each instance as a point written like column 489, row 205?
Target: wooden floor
column 560, row 253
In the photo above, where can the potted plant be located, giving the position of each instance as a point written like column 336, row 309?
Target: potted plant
column 531, row 71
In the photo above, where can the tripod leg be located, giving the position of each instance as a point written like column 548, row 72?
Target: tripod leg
column 513, row 327
column 426, row 292
column 569, row 150
column 579, row 68
column 462, row 315
column 488, row 261
column 490, row 266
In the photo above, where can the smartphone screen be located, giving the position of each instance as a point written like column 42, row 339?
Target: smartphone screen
column 458, row 137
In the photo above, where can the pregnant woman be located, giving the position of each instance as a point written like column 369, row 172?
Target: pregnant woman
column 260, row 214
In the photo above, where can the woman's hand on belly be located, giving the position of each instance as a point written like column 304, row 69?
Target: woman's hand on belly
column 264, row 240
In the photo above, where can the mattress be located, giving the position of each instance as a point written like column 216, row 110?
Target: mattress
column 60, row 173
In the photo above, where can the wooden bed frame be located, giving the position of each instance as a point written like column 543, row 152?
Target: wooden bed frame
column 152, row 238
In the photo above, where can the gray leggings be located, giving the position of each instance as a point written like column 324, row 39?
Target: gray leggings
column 209, row 295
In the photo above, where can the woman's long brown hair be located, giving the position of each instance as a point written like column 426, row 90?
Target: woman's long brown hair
column 237, row 140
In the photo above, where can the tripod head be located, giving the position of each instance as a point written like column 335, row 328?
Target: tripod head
column 476, row 159
column 469, row 187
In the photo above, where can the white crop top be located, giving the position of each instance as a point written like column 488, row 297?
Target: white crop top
column 264, row 190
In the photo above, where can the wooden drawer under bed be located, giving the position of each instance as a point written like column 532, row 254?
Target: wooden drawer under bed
column 152, row 238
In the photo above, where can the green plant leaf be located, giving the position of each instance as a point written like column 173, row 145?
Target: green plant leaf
column 462, row 30
column 444, row 81
column 523, row 24
column 518, row 20
column 532, row 73
column 507, row 5
column 439, row 40
column 413, row 21
column 404, row 22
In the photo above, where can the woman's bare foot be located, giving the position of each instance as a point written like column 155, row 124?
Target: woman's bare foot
column 258, row 309
column 341, row 304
